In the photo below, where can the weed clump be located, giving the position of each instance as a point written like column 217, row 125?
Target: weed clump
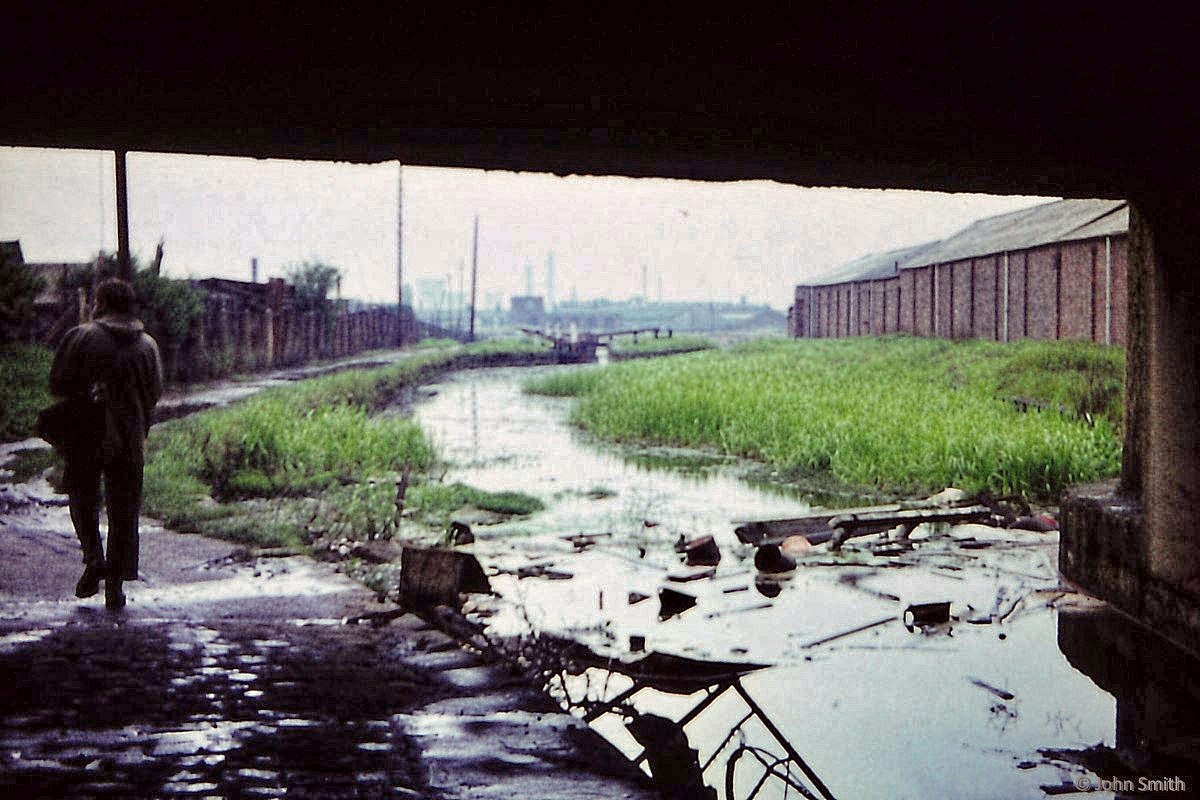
column 263, row 471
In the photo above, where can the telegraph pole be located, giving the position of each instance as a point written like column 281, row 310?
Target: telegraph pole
column 400, row 251
column 474, row 275
column 124, row 262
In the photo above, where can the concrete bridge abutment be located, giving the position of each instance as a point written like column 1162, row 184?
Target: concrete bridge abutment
column 1136, row 543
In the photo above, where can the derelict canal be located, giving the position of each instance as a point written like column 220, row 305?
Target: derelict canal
column 951, row 662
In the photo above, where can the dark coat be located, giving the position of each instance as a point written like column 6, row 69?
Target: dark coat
column 115, row 358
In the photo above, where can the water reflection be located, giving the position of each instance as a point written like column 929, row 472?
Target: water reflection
column 752, row 759
column 1009, row 697
column 1157, row 691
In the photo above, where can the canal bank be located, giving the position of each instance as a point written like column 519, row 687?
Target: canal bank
column 814, row 670
column 829, row 678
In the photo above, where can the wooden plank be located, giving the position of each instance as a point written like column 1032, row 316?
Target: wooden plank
column 774, row 531
column 864, row 524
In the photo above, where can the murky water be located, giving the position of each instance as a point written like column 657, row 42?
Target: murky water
column 501, row 439
column 1027, row 689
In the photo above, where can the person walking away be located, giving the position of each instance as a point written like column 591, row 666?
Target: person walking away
column 114, row 362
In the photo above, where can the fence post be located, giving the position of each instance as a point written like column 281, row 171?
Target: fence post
column 268, row 338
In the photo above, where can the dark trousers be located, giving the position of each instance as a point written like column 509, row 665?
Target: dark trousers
column 123, row 496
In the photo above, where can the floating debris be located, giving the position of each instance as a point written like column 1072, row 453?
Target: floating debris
column 460, row 533
column 702, row 552
column 672, row 602
column 921, row 614
column 582, row 541
column 1042, row 523
column 1001, row 693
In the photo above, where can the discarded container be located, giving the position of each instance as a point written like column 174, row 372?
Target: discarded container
column 918, row 614
column 438, row 575
column 771, row 559
column 702, row 552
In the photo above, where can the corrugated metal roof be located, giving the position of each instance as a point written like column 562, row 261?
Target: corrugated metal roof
column 1019, row 230
column 1113, row 224
column 1058, row 221
column 874, row 265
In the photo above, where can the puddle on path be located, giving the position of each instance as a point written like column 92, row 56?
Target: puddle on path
column 1029, row 689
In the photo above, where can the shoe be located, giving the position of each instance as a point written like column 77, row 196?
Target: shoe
column 114, row 598
column 89, row 582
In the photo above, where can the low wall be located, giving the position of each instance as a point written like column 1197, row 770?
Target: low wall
column 1103, row 548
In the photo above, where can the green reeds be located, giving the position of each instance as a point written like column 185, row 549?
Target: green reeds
column 897, row 414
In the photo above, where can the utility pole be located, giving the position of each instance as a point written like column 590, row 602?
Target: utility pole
column 400, row 251
column 124, row 262
column 474, row 275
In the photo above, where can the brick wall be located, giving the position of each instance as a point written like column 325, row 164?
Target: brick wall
column 1053, row 291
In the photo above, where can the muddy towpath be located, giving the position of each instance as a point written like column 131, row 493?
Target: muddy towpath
column 227, row 676
column 231, row 675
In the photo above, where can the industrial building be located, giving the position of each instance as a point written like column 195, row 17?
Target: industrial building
column 1053, row 271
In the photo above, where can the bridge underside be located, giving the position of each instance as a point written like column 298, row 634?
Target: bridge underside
column 1056, row 104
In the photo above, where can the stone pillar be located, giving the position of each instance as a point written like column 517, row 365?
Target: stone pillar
column 1137, row 544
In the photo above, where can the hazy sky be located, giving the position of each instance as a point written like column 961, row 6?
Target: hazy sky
column 699, row 241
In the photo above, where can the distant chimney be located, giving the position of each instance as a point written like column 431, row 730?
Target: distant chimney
column 254, row 270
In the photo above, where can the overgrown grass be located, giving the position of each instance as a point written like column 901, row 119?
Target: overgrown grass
column 898, row 414
column 649, row 345
column 24, row 388
column 315, row 439
column 267, row 447
column 511, row 345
